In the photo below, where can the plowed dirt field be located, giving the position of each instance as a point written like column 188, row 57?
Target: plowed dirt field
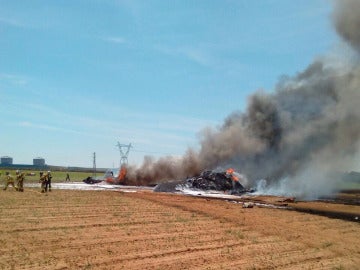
column 70, row 229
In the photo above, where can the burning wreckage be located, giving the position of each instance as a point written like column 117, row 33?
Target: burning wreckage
column 111, row 176
column 226, row 181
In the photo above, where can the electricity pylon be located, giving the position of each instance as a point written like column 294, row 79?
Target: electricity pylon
column 94, row 165
column 124, row 150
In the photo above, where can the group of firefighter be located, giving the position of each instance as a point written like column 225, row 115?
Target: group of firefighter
column 45, row 180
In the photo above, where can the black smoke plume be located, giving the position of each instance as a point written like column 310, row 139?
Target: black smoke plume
column 293, row 139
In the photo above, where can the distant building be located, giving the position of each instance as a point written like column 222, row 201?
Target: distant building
column 6, row 160
column 39, row 161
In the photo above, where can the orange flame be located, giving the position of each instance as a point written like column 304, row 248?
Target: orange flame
column 120, row 178
column 233, row 177
column 230, row 171
column 122, row 173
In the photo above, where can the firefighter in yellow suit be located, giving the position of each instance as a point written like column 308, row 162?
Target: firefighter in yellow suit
column 9, row 181
column 43, row 180
column 20, row 177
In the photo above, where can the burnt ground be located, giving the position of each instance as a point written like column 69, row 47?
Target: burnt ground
column 350, row 197
column 343, row 205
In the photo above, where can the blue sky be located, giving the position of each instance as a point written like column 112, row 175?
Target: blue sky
column 78, row 76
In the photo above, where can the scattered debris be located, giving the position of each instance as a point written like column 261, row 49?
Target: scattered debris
column 248, row 205
column 90, row 180
column 168, row 186
column 288, row 200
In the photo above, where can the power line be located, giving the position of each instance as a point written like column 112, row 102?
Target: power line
column 153, row 152
column 124, row 150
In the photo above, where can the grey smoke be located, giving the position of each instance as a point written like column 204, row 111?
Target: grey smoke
column 294, row 138
column 347, row 21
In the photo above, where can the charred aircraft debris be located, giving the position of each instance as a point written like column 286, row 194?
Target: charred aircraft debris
column 91, row 180
column 220, row 181
column 111, row 176
column 225, row 181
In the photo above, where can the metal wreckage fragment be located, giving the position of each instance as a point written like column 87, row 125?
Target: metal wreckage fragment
column 226, row 181
column 220, row 181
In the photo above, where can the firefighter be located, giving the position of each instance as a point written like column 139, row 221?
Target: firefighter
column 43, row 180
column 20, row 177
column 9, row 181
column 48, row 181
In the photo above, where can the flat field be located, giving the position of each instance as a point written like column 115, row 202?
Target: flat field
column 57, row 176
column 71, row 229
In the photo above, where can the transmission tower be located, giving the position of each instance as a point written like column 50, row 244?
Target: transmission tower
column 124, row 150
column 94, row 165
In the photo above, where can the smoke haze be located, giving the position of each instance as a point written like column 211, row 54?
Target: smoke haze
column 347, row 21
column 293, row 139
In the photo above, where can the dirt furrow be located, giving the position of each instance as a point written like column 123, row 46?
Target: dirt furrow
column 145, row 230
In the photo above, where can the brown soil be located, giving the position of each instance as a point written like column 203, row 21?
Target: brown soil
column 68, row 229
